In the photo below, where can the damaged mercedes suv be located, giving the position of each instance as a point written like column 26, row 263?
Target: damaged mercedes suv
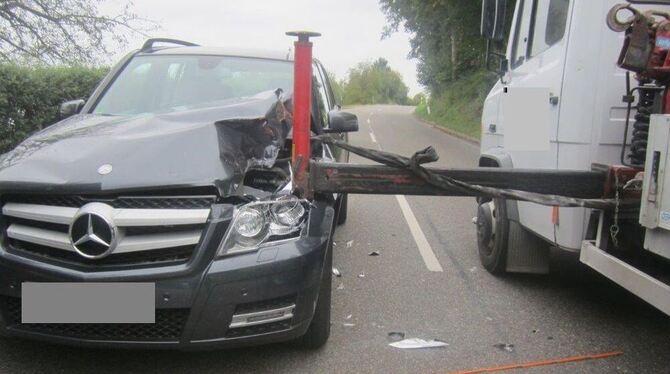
column 175, row 174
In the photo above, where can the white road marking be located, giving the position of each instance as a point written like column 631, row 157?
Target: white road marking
column 425, row 250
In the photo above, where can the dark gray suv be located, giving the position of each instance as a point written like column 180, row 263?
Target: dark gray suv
column 175, row 174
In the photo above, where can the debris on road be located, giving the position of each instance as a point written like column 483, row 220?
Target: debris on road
column 349, row 316
column 341, row 286
column 473, row 269
column 396, row 336
column 349, row 324
column 361, row 275
column 505, row 347
column 374, row 253
column 416, row 343
column 350, row 243
column 336, row 272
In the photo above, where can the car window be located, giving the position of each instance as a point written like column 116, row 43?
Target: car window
column 154, row 84
column 550, row 23
column 322, row 101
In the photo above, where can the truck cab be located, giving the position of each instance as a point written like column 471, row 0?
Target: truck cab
column 557, row 106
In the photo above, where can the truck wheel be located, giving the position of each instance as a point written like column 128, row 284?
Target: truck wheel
column 342, row 210
column 319, row 329
column 492, row 235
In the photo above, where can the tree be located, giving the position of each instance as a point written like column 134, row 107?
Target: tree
column 375, row 83
column 445, row 37
column 62, row 31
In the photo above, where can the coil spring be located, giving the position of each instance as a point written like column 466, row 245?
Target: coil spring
column 638, row 147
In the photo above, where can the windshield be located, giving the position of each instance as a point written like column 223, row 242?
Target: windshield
column 169, row 83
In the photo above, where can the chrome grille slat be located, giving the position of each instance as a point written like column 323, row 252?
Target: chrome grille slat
column 122, row 217
column 40, row 236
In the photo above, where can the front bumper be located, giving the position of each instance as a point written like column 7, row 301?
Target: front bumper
column 195, row 301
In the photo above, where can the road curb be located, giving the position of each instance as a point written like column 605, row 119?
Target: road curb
column 451, row 132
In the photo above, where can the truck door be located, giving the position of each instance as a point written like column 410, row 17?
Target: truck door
column 536, row 53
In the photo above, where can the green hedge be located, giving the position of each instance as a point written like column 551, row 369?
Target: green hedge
column 30, row 97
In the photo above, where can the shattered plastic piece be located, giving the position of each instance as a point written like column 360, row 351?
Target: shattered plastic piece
column 341, row 286
column 396, row 336
column 361, row 275
column 350, row 243
column 505, row 347
column 336, row 272
column 349, row 316
column 374, row 253
column 416, row 343
column 348, row 324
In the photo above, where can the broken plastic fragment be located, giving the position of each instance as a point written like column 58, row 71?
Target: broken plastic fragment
column 350, row 243
column 341, row 286
column 361, row 275
column 349, row 316
column 505, row 347
column 348, row 324
column 415, row 343
column 396, row 336
column 374, row 253
column 336, row 272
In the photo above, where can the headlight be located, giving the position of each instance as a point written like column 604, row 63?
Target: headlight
column 260, row 223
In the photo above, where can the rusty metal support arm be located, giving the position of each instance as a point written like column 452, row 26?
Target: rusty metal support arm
column 384, row 180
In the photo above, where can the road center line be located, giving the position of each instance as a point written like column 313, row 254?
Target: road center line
column 425, row 250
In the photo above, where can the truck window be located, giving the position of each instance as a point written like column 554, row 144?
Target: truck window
column 521, row 33
column 550, row 18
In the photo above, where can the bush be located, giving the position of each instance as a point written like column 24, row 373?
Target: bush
column 30, row 97
column 459, row 106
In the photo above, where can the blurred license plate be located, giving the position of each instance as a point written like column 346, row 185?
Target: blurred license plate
column 88, row 302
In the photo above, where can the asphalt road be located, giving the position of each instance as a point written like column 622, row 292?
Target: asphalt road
column 571, row 312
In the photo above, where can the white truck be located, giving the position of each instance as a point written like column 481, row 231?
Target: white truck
column 558, row 105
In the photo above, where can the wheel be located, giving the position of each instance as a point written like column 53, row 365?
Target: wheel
column 492, row 235
column 319, row 329
column 342, row 209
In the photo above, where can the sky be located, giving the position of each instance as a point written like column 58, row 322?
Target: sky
column 351, row 29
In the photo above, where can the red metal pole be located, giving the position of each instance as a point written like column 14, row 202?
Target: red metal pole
column 302, row 104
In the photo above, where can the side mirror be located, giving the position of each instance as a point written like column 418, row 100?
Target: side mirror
column 493, row 19
column 70, row 108
column 341, row 122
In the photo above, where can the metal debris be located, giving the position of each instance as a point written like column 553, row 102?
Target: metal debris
column 350, row 243
column 396, row 336
column 336, row 272
column 374, row 253
column 415, row 343
column 505, row 347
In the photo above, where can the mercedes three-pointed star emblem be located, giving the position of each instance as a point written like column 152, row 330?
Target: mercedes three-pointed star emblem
column 92, row 233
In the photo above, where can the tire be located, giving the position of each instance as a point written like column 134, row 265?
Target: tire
column 493, row 235
column 319, row 329
column 342, row 210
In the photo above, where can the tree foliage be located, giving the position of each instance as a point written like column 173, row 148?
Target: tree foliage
column 374, row 83
column 30, row 97
column 62, row 31
column 445, row 39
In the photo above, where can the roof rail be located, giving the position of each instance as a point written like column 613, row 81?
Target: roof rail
column 149, row 44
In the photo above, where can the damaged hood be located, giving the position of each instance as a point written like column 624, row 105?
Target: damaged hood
column 91, row 153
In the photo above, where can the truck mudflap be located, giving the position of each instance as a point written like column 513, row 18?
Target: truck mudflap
column 634, row 280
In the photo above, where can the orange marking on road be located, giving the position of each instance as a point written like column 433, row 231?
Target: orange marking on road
column 532, row 364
